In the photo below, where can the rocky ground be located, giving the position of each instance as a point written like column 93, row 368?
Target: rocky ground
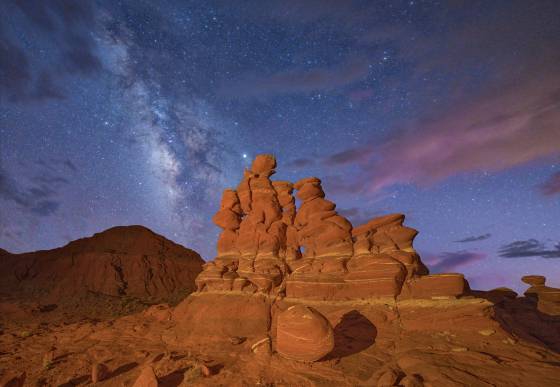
column 468, row 342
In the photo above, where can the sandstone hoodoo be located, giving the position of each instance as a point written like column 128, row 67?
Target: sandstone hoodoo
column 271, row 247
column 547, row 298
column 273, row 256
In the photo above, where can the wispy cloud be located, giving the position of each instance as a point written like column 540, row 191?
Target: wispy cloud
column 451, row 261
column 529, row 248
column 348, row 156
column 36, row 195
column 495, row 132
column 69, row 25
column 301, row 163
column 474, row 238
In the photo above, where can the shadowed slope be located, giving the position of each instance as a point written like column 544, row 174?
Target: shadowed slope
column 125, row 262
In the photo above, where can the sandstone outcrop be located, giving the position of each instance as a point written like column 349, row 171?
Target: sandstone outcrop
column 304, row 334
column 147, row 378
column 252, row 245
column 216, row 317
column 262, row 348
column 12, row 379
column 534, row 280
column 122, row 263
column 547, row 298
column 99, row 372
column 312, row 252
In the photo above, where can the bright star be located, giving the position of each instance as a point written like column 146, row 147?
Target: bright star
column 244, row 155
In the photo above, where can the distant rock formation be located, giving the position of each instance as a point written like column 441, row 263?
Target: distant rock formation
column 548, row 299
column 126, row 261
column 268, row 246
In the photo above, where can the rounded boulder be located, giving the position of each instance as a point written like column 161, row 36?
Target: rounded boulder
column 303, row 334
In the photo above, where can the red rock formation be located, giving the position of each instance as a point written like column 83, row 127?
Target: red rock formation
column 434, row 286
column 12, row 379
column 387, row 235
column 229, row 219
column 262, row 348
column 534, row 280
column 99, row 372
column 147, row 378
column 548, row 299
column 252, row 248
column 129, row 261
column 384, row 257
column 468, row 342
column 324, row 234
column 269, row 246
column 290, row 249
column 218, row 317
column 304, row 334
column 221, row 273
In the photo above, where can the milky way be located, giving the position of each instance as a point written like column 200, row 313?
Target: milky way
column 137, row 112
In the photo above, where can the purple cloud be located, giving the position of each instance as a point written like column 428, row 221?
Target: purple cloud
column 495, row 132
column 301, row 163
column 474, row 238
column 451, row 261
column 552, row 185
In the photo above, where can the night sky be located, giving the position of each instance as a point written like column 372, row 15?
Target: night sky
column 142, row 112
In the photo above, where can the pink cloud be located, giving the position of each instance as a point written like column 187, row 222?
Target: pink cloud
column 496, row 132
column 449, row 262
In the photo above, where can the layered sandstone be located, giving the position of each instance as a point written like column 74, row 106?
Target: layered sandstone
column 304, row 334
column 252, row 247
column 312, row 252
column 125, row 262
column 547, row 298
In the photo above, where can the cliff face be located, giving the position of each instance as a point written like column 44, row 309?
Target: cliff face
column 126, row 261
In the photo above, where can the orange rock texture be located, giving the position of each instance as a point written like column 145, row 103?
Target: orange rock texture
column 129, row 262
column 269, row 246
column 302, row 333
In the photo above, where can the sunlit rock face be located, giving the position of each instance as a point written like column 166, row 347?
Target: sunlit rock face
column 271, row 247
